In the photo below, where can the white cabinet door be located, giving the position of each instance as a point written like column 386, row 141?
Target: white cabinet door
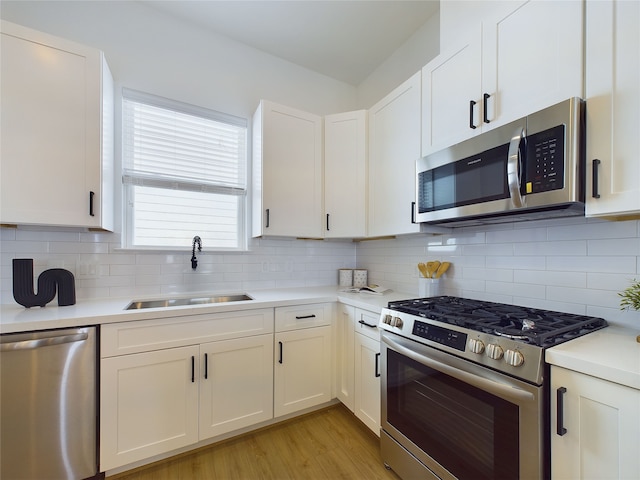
column 302, row 373
column 519, row 57
column 345, row 169
column 236, row 384
column 57, row 132
column 148, row 404
column 287, row 172
column 367, row 381
column 345, row 360
column 532, row 58
column 613, row 107
column 394, row 148
column 451, row 89
column 602, row 422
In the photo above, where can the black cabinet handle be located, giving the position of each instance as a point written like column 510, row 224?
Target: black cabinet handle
column 305, row 316
column 413, row 212
column 267, row 225
column 594, row 178
column 377, row 364
column 362, row 322
column 560, row 430
column 472, row 104
column 193, row 369
column 327, row 222
column 280, row 352
column 206, row 366
column 484, row 107
column 91, row 195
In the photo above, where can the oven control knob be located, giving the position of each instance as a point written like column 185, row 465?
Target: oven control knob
column 513, row 358
column 396, row 322
column 476, row 345
column 494, row 351
column 387, row 319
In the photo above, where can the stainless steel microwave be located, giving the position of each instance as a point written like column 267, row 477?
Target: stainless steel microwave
column 530, row 168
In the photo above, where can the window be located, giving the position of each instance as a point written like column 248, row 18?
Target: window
column 184, row 174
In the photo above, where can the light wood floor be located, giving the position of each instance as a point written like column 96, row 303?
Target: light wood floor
column 328, row 444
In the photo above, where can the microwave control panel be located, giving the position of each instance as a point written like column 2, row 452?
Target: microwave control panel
column 544, row 168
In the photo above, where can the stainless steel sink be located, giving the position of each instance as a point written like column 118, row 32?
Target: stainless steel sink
column 176, row 302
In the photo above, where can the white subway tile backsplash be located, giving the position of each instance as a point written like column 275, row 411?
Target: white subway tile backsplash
column 614, row 246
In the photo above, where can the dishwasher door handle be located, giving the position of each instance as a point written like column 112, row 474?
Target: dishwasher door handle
column 43, row 342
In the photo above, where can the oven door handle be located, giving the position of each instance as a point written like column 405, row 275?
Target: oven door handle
column 495, row 388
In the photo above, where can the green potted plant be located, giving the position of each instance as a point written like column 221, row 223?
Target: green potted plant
column 630, row 298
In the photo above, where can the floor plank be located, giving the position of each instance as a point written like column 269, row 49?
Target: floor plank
column 325, row 445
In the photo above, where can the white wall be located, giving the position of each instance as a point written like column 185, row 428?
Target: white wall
column 414, row 54
column 148, row 50
column 571, row 265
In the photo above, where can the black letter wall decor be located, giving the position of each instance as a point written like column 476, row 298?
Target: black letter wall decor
column 48, row 282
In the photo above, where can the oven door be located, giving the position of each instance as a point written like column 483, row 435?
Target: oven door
column 459, row 419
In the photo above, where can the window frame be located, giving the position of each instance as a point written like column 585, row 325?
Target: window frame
column 131, row 178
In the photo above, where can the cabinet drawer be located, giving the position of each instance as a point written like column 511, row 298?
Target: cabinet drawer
column 303, row 316
column 367, row 323
column 146, row 335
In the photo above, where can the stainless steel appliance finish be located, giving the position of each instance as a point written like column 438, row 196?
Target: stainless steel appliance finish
column 48, row 404
column 530, row 168
column 464, row 387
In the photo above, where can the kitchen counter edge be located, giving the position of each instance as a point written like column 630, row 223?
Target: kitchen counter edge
column 611, row 354
column 16, row 319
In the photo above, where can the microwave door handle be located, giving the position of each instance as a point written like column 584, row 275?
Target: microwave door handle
column 513, row 168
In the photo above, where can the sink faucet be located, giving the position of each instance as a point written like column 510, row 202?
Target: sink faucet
column 194, row 261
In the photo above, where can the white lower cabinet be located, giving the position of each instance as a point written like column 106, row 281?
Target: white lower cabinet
column 148, row 406
column 303, row 350
column 345, row 360
column 236, row 387
column 182, row 380
column 595, row 427
column 358, row 364
column 367, row 369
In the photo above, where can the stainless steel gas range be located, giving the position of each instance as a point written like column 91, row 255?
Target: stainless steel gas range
column 464, row 387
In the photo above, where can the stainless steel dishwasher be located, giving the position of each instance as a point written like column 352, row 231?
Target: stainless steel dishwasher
column 48, row 404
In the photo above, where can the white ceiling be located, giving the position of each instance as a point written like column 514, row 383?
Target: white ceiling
column 343, row 39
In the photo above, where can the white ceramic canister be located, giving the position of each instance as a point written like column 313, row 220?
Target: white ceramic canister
column 345, row 277
column 428, row 287
column 359, row 278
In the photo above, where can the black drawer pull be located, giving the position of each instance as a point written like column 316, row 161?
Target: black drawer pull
column 327, row 222
column 280, row 348
column 362, row 322
column 560, row 430
column 472, row 104
column 206, row 366
column 305, row 316
column 594, row 178
column 267, row 224
column 413, row 212
column 193, row 369
column 377, row 364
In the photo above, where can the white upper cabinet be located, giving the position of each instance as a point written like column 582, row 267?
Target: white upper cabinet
column 612, row 85
column 450, row 92
column 518, row 58
column 287, row 172
column 394, row 148
column 57, row 132
column 345, row 170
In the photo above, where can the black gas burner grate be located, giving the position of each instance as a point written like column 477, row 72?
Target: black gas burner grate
column 544, row 328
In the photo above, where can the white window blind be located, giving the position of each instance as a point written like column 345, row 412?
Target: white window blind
column 184, row 174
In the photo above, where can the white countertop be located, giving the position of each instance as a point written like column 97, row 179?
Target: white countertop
column 15, row 318
column 611, row 354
